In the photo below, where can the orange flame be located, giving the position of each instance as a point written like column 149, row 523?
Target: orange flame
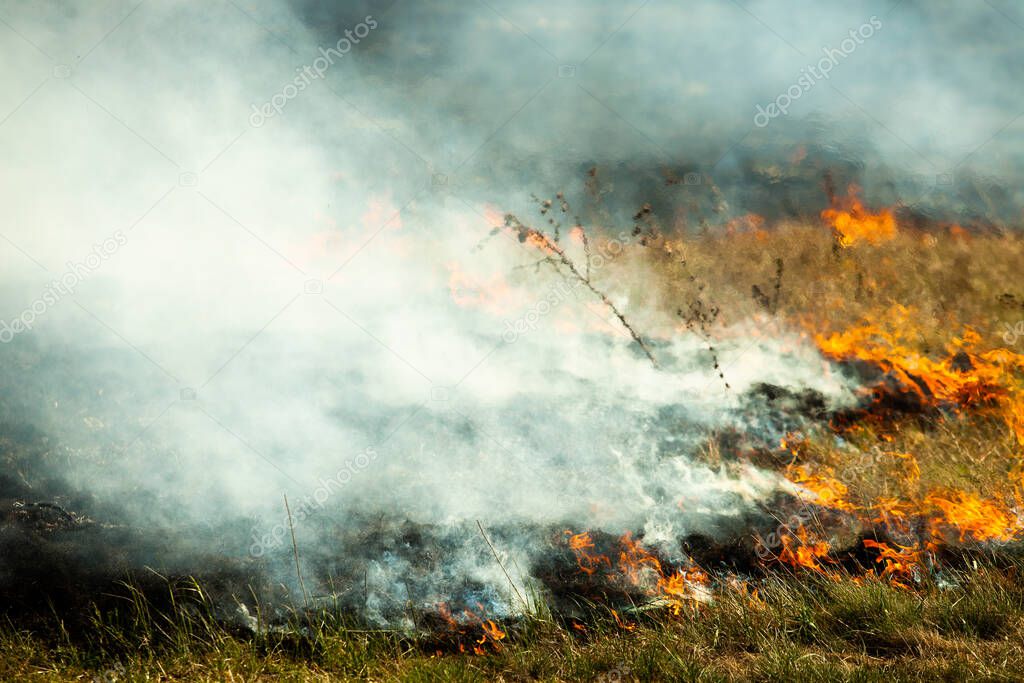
column 972, row 517
column 801, row 551
column 853, row 223
column 901, row 563
column 962, row 378
column 829, row 491
column 640, row 568
column 582, row 546
column 490, row 633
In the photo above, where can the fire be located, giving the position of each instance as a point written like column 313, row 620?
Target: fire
column 904, row 531
column 853, row 223
column 683, row 587
column 973, row 518
column 800, row 550
column 532, row 237
column 539, row 241
column 633, row 559
column 911, row 525
column 958, row 233
column 583, row 547
column 624, row 625
column 829, row 491
column 490, row 633
column 891, row 511
column 640, row 568
column 676, row 588
column 902, row 563
column 912, row 469
column 965, row 377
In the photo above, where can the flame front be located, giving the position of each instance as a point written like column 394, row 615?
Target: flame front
column 853, row 223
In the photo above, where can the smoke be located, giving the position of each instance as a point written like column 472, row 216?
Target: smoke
column 278, row 316
column 516, row 94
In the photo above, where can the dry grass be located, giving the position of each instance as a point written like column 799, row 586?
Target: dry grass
column 944, row 282
column 948, row 280
column 959, row 624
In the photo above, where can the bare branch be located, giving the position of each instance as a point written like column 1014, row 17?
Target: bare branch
column 557, row 257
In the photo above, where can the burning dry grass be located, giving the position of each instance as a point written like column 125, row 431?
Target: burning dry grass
column 932, row 460
column 902, row 561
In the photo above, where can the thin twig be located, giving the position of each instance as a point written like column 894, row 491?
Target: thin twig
column 586, row 248
column 295, row 550
column 496, row 559
column 557, row 257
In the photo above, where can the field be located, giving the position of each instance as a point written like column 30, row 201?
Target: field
column 908, row 565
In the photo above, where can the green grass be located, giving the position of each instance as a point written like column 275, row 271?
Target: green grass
column 796, row 627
